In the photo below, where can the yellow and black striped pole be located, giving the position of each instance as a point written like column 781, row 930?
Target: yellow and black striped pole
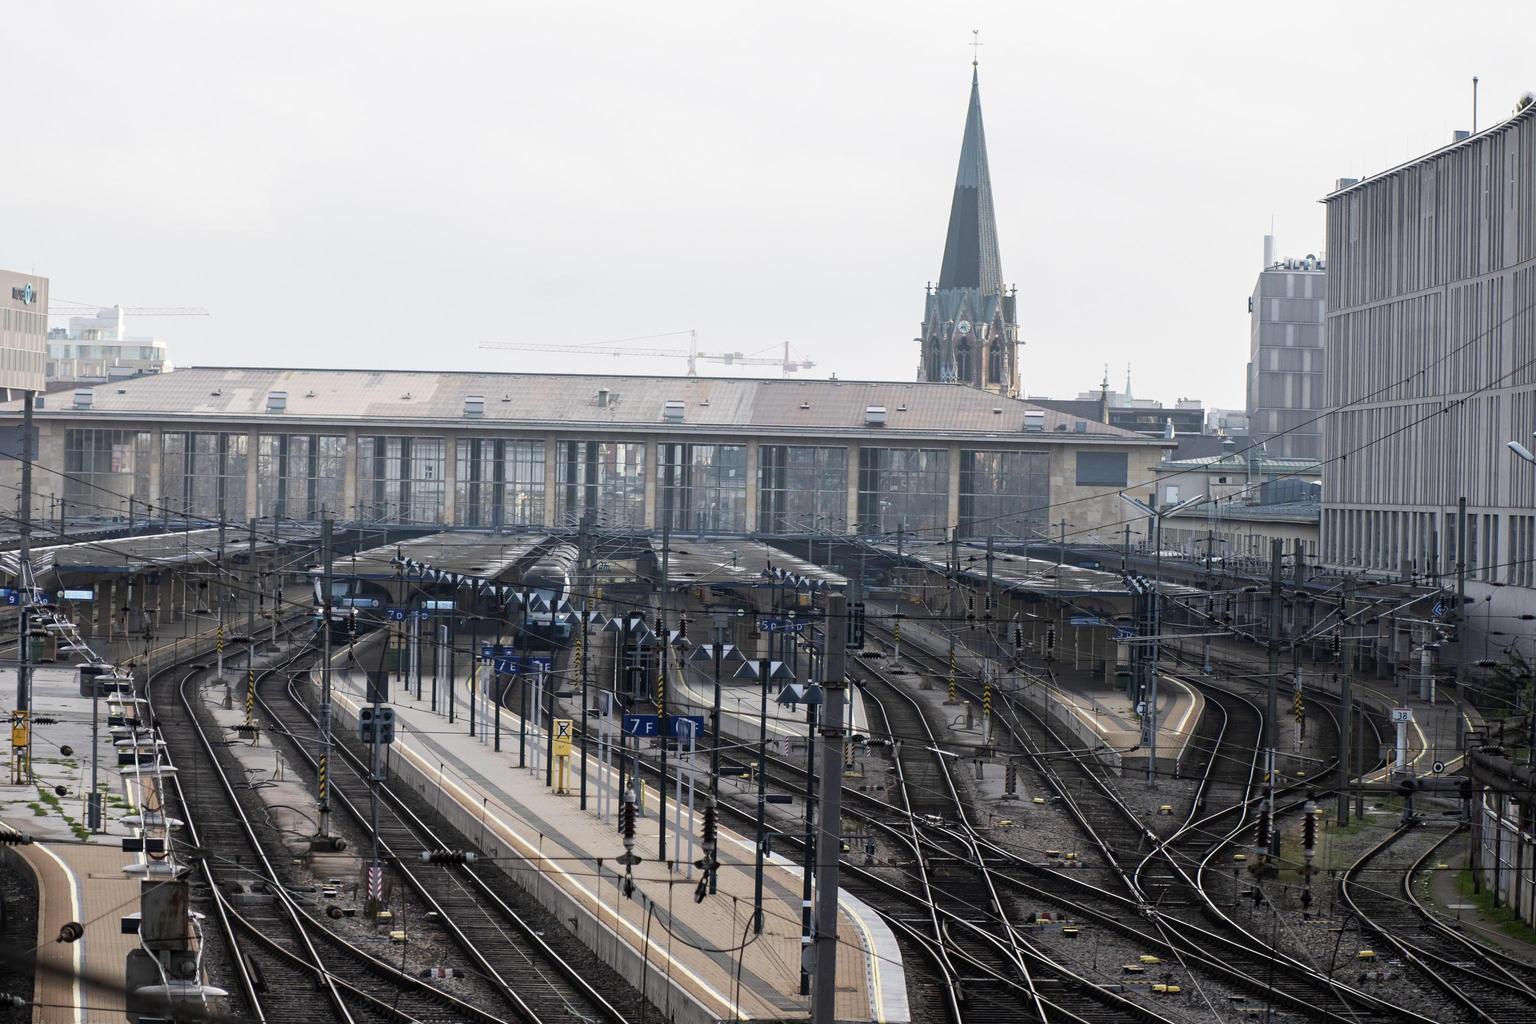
column 250, row 697
column 951, row 675
column 325, row 783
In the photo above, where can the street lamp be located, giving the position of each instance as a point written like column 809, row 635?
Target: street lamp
column 763, row 670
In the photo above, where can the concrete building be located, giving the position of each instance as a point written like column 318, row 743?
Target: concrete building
column 970, row 332
column 1242, row 531
column 100, row 348
column 1431, row 340
column 1241, row 473
column 1184, row 418
column 23, row 327
column 1226, row 421
column 713, row 456
column 1286, row 355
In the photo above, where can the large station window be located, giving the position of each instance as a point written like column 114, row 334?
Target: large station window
column 203, row 475
column 500, row 483
column 300, row 476
column 603, row 480
column 400, row 480
column 103, row 469
column 903, row 490
column 802, row 489
column 1004, row 494
column 702, row 488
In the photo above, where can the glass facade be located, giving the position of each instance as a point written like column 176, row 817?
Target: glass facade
column 1004, row 494
column 903, row 488
column 500, row 483
column 400, row 480
column 802, row 489
column 300, row 475
column 605, row 478
column 203, row 475
column 702, row 488
column 102, row 470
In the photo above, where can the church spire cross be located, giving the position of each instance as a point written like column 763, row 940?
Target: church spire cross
column 976, row 45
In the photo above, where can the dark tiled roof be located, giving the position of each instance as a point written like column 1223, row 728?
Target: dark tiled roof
column 971, row 258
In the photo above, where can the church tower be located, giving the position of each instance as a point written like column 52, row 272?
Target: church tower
column 970, row 331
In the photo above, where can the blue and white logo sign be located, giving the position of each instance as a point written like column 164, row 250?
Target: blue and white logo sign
column 1122, row 633
column 25, row 294
column 1438, row 611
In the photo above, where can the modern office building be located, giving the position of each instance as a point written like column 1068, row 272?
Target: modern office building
column 970, row 332
column 99, row 347
column 716, row 456
column 1286, row 355
column 1186, row 417
column 1431, row 369
column 23, row 327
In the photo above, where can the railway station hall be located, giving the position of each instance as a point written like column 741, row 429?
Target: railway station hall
column 514, row 451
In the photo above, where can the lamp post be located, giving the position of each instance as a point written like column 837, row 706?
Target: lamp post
column 1525, row 455
column 1147, row 650
column 763, row 670
column 720, row 653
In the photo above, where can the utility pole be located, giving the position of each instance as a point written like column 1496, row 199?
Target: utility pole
column 324, row 759
column 1271, row 711
column 250, row 627
column 764, row 668
column 661, row 686
column 21, row 756
column 829, row 842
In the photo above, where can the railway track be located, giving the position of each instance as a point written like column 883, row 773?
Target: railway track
column 1491, row 986
column 515, row 944
column 1232, row 953
column 282, row 953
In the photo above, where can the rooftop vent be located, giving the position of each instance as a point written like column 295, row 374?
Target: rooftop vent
column 405, row 397
column 1034, row 419
column 277, row 401
column 672, row 412
column 805, row 405
column 84, row 397
column 874, row 416
column 310, row 393
column 997, row 410
column 1460, row 134
column 602, row 398
column 1339, row 183
column 474, row 406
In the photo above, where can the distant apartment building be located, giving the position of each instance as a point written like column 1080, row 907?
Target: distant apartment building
column 1226, row 421
column 1432, row 367
column 1286, row 355
column 99, row 347
column 23, row 327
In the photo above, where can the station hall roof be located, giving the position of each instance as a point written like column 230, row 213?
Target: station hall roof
column 200, row 395
column 1019, row 573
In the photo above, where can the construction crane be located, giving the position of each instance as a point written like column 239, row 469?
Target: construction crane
column 787, row 364
column 69, row 307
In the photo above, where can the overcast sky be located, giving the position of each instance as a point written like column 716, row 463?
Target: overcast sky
column 390, row 184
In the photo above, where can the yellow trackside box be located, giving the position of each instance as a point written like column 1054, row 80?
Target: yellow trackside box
column 563, row 732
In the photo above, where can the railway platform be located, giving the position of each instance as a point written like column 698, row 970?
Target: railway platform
column 80, row 982
column 696, row 961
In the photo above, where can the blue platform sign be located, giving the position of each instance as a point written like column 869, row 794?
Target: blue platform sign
column 513, row 666
column 780, row 626
column 489, row 651
column 395, row 614
column 1086, row 620
column 650, row 725
column 10, row 596
column 1123, row 634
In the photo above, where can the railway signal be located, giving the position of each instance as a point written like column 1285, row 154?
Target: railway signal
column 376, row 724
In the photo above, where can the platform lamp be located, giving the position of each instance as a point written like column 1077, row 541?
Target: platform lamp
column 588, row 618
column 764, row 671
column 721, row 653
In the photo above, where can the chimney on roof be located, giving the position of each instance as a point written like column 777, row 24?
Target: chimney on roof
column 1269, row 251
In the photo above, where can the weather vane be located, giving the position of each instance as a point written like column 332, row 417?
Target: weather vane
column 976, row 45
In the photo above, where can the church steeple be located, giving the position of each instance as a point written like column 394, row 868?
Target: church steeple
column 970, row 332
column 971, row 258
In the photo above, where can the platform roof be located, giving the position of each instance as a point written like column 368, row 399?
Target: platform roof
column 1017, row 572
column 737, row 563
column 479, row 555
column 145, row 553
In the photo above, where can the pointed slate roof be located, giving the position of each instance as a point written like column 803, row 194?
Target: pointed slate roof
column 971, row 258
